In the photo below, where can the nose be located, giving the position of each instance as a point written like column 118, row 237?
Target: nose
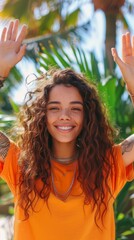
column 64, row 114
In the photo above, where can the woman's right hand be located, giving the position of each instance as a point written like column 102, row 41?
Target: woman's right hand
column 11, row 50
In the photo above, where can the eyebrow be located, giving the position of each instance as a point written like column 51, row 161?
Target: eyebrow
column 73, row 102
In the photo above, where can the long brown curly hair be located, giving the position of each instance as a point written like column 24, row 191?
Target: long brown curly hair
column 96, row 140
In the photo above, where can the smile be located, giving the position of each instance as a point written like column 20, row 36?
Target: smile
column 65, row 128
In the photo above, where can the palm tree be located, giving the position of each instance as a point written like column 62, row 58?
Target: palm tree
column 41, row 16
column 112, row 10
column 51, row 18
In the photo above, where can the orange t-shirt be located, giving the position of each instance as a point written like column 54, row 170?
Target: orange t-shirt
column 64, row 220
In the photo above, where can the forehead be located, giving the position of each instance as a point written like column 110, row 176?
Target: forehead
column 61, row 92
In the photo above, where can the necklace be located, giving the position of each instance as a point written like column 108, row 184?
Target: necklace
column 63, row 196
column 65, row 161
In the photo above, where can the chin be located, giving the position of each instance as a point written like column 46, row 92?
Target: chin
column 63, row 140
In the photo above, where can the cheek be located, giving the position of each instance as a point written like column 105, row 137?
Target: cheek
column 49, row 118
column 80, row 120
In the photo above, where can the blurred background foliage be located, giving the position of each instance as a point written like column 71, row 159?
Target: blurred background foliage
column 57, row 30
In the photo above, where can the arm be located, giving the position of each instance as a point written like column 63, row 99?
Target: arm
column 4, row 146
column 128, row 150
column 11, row 50
column 126, row 64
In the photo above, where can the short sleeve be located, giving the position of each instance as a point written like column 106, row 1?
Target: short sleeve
column 9, row 169
column 1, row 166
column 120, row 174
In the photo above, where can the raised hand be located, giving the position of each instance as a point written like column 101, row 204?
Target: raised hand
column 126, row 65
column 11, row 50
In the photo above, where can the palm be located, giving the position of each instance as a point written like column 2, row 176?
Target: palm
column 11, row 50
column 129, row 60
column 8, row 54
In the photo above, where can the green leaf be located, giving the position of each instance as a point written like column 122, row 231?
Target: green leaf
column 107, row 91
column 48, row 59
column 128, row 232
column 122, row 17
column 60, row 58
column 88, row 72
column 94, row 68
column 14, row 105
column 72, row 18
column 18, row 9
column 46, row 22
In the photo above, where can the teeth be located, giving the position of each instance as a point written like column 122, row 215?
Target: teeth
column 65, row 128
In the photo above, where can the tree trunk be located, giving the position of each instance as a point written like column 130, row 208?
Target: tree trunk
column 111, row 10
column 110, row 39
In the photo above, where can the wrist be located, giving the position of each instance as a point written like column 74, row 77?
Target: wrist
column 132, row 97
column 4, row 73
column 131, row 94
column 2, row 79
column 1, row 83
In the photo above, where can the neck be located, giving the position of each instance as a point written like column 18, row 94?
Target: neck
column 63, row 150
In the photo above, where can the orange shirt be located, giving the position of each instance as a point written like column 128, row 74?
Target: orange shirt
column 64, row 220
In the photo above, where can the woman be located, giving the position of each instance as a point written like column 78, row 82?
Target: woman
column 66, row 172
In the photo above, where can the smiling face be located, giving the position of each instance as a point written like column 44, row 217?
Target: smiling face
column 64, row 114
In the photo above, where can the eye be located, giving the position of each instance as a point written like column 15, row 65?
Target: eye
column 76, row 109
column 53, row 108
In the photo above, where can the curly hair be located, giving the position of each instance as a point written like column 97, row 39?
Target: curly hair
column 96, row 140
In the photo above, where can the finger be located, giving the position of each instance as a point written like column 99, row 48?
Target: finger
column 9, row 31
column 128, row 43
column 133, row 45
column 22, row 35
column 117, row 59
column 124, row 46
column 21, row 53
column 119, row 62
column 114, row 53
column 3, row 34
column 15, row 30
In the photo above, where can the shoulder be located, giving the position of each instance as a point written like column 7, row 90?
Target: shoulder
column 121, row 169
column 4, row 146
column 127, row 148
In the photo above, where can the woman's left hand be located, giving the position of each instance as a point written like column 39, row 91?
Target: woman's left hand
column 126, row 64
